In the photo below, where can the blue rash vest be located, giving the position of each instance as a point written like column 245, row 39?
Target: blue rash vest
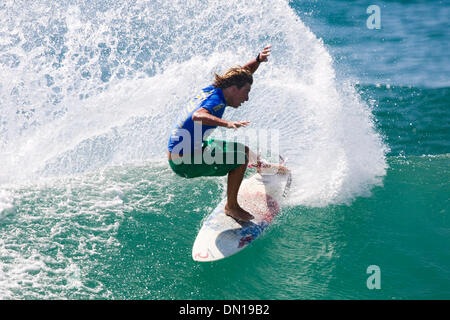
column 209, row 98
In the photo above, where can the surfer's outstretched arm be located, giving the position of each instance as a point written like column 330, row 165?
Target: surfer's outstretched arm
column 253, row 65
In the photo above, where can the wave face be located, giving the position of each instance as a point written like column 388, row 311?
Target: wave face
column 92, row 84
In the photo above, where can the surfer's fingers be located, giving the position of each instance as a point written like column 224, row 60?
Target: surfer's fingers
column 264, row 56
column 266, row 51
column 234, row 125
column 242, row 123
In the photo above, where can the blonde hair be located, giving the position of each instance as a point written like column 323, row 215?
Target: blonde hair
column 234, row 76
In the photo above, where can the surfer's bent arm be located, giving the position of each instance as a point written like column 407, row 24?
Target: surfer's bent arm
column 202, row 115
column 253, row 65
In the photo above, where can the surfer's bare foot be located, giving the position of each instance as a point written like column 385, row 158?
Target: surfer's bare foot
column 238, row 213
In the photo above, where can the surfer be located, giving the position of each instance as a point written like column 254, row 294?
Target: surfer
column 189, row 153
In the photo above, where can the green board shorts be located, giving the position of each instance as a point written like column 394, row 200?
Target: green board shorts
column 217, row 159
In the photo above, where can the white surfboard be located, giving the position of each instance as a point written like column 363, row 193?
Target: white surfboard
column 221, row 236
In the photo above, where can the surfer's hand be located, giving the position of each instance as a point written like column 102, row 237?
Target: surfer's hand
column 237, row 124
column 264, row 54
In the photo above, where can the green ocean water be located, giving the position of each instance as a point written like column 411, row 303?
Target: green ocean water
column 89, row 208
column 78, row 240
column 308, row 253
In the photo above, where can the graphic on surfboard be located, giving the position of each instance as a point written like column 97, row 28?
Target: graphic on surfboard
column 221, row 236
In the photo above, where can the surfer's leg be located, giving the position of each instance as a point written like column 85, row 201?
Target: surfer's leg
column 253, row 158
column 235, row 178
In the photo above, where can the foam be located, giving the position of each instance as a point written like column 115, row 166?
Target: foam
column 98, row 86
column 57, row 224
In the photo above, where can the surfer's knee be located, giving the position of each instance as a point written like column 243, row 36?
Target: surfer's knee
column 244, row 164
column 247, row 155
column 241, row 154
column 243, row 158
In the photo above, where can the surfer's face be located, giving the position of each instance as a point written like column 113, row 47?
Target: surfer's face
column 240, row 95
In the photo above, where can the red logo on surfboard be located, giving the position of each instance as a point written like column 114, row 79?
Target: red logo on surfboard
column 198, row 255
column 245, row 240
